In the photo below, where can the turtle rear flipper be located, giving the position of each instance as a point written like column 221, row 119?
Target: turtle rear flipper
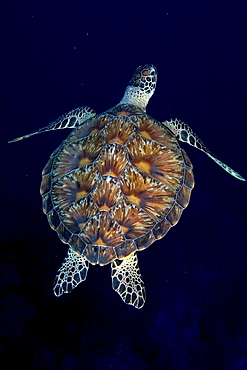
column 127, row 281
column 71, row 119
column 184, row 133
column 72, row 272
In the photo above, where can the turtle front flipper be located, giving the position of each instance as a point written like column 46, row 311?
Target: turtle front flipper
column 127, row 280
column 184, row 133
column 71, row 119
column 72, row 272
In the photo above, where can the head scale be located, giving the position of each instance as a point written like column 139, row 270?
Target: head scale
column 141, row 87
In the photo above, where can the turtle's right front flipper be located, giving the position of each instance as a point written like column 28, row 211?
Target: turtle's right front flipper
column 71, row 119
column 184, row 133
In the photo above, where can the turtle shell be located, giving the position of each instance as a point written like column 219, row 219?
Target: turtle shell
column 116, row 184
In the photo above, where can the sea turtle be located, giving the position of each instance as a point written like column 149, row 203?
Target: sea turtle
column 118, row 182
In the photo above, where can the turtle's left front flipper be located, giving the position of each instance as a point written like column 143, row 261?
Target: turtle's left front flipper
column 184, row 133
column 71, row 119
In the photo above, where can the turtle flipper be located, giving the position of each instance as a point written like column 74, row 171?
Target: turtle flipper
column 127, row 280
column 184, row 133
column 72, row 272
column 69, row 120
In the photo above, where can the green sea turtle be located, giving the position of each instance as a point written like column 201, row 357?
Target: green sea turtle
column 118, row 182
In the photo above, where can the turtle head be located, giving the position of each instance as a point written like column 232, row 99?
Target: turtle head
column 141, row 87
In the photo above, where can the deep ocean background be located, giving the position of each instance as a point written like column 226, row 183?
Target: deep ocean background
column 57, row 55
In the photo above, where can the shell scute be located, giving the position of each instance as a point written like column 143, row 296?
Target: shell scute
column 145, row 240
column 161, row 162
column 47, row 203
column 189, row 178
column 125, row 248
column 106, row 255
column 92, row 254
column 99, row 254
column 118, row 130
column 78, row 244
column 90, row 127
column 175, row 214
column 107, row 193
column 77, row 154
column 161, row 229
column 63, row 233
column 112, row 160
column 145, row 191
column 45, row 186
column 102, row 230
column 48, row 167
column 53, row 219
column 78, row 213
column 151, row 129
column 183, row 196
column 132, row 219
column 74, row 186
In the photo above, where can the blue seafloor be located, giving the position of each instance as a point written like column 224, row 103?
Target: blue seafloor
column 57, row 55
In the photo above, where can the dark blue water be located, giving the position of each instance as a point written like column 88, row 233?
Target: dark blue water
column 56, row 56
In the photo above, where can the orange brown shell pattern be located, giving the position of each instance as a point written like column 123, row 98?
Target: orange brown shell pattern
column 115, row 185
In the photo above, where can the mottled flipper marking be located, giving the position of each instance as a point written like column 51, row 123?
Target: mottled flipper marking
column 184, row 133
column 71, row 119
column 72, row 272
column 127, row 281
